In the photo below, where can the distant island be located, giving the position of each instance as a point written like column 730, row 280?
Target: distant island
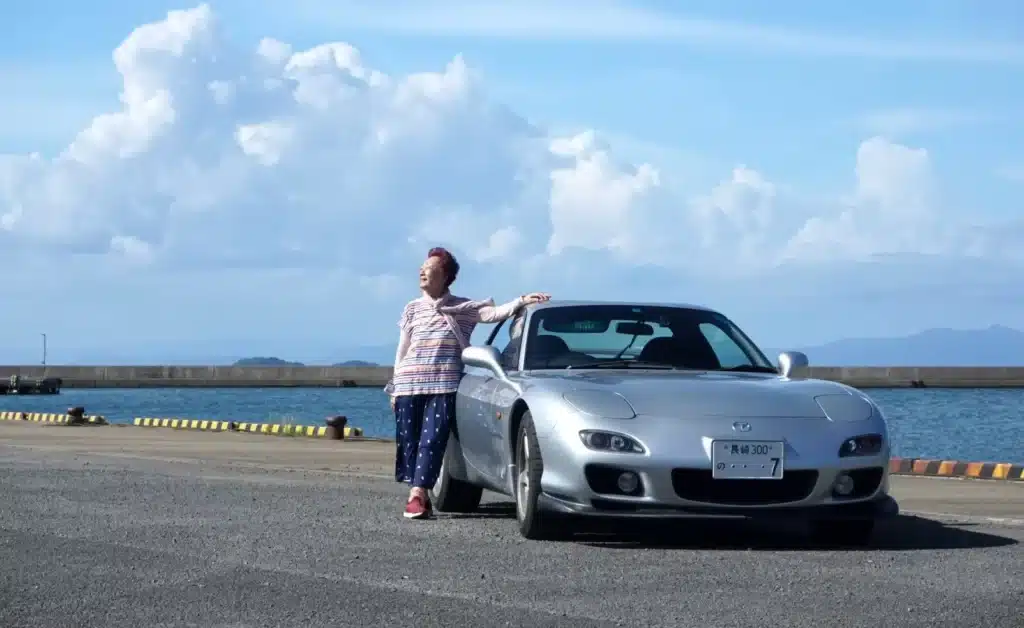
column 270, row 361
column 266, row 362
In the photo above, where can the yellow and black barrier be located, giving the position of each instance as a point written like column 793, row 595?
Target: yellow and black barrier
column 271, row 429
column 957, row 469
column 50, row 417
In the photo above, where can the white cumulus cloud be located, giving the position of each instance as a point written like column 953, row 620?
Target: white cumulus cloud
column 224, row 157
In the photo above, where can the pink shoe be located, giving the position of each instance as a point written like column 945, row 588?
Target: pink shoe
column 418, row 508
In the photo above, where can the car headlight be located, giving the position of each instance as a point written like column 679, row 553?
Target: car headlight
column 610, row 441
column 863, row 445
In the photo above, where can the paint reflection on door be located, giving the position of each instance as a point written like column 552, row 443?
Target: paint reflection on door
column 473, row 415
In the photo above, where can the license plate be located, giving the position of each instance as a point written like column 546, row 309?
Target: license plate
column 747, row 460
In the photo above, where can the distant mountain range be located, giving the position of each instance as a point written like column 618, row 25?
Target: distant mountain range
column 994, row 346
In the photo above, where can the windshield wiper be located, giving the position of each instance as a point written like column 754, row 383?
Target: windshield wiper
column 751, row 368
column 617, row 364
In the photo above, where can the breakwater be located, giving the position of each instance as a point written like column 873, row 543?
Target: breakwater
column 335, row 377
column 206, row 376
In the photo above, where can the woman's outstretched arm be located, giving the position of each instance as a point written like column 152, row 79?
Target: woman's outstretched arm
column 498, row 313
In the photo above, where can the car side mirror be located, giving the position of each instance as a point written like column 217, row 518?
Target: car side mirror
column 485, row 357
column 792, row 363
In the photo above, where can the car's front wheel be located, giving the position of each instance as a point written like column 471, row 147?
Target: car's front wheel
column 843, row 532
column 452, row 494
column 533, row 523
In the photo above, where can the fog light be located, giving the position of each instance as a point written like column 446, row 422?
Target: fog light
column 843, row 485
column 628, row 482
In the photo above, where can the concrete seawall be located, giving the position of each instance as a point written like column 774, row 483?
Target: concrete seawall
column 204, row 376
column 331, row 377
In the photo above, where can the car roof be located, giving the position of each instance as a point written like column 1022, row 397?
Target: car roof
column 568, row 302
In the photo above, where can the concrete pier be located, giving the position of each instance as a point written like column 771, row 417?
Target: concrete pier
column 332, row 377
column 206, row 376
column 117, row 528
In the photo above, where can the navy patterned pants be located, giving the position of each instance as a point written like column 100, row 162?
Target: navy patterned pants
column 422, row 424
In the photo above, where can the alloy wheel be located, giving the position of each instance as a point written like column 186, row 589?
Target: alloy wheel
column 523, row 483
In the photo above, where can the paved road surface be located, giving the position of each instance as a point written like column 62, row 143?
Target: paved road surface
column 127, row 527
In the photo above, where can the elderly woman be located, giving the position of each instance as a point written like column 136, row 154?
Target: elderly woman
column 428, row 366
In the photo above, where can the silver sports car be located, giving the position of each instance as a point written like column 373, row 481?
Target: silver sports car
column 586, row 409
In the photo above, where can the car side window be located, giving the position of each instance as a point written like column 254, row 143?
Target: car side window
column 729, row 353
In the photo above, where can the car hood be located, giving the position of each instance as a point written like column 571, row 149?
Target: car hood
column 699, row 393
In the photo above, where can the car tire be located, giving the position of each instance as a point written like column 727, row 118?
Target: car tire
column 452, row 494
column 529, row 466
column 843, row 532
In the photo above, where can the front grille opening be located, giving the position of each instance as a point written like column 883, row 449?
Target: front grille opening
column 698, row 485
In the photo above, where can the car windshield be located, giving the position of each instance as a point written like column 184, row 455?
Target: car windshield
column 628, row 336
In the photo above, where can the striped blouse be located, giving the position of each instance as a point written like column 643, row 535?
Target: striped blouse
column 429, row 356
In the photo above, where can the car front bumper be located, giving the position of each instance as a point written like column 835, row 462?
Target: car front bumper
column 677, row 480
column 878, row 507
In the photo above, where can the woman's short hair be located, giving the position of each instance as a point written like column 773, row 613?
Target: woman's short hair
column 449, row 265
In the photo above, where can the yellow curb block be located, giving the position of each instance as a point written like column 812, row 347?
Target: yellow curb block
column 271, row 429
column 957, row 469
column 48, row 417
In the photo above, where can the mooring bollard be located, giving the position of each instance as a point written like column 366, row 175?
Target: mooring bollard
column 336, row 427
column 76, row 415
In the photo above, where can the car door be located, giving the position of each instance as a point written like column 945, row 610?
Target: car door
column 498, row 457
column 483, row 398
column 472, row 415
column 502, row 396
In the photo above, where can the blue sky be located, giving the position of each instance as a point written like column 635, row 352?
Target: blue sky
column 822, row 171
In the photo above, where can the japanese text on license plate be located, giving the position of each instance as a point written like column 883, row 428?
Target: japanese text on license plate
column 747, row 459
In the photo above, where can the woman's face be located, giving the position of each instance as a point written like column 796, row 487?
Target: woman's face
column 432, row 276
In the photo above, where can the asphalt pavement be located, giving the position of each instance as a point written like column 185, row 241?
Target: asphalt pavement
column 121, row 527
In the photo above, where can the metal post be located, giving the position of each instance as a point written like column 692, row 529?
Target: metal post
column 44, row 349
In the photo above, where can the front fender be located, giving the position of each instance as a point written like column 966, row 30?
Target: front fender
column 544, row 406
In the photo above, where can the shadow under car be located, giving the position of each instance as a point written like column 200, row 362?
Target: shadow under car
column 901, row 532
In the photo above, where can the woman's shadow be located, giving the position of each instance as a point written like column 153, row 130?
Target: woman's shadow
column 904, row 532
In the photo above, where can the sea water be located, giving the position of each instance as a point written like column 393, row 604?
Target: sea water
column 961, row 424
